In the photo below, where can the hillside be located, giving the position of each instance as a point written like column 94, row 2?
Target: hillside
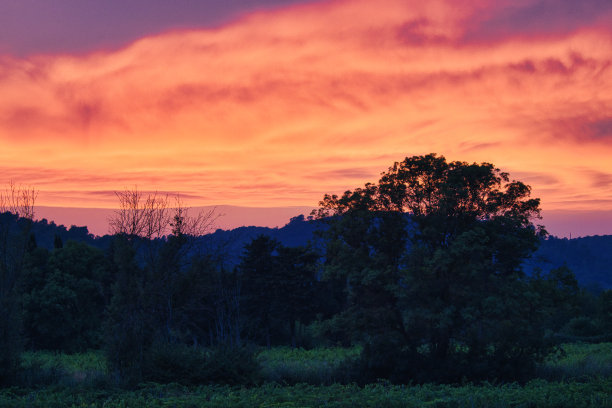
column 590, row 258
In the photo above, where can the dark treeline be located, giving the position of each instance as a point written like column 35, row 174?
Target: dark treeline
column 424, row 270
column 589, row 258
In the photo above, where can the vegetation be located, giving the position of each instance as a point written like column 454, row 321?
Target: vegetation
column 455, row 302
column 539, row 393
column 321, row 366
column 412, row 294
column 579, row 362
column 77, row 380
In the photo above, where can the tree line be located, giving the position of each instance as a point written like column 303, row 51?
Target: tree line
column 422, row 269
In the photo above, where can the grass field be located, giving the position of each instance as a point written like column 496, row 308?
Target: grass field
column 284, row 365
column 539, row 393
column 580, row 378
column 580, row 362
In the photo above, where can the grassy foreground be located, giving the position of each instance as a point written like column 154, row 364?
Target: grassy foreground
column 540, row 393
column 581, row 378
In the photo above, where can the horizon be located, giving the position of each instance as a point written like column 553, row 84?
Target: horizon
column 558, row 224
column 227, row 216
column 274, row 103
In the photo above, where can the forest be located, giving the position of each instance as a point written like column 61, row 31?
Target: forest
column 422, row 288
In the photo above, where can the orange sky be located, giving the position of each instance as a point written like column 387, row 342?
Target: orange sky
column 279, row 107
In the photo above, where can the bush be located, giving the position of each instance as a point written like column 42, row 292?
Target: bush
column 578, row 362
column 166, row 363
column 319, row 366
column 383, row 358
column 44, row 368
column 10, row 339
column 581, row 326
column 232, row 365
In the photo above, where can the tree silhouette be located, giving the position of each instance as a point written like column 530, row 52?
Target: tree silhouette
column 432, row 255
column 278, row 286
column 16, row 215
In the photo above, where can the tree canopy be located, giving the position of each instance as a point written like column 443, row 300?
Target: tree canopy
column 431, row 256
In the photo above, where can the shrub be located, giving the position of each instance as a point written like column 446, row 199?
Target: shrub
column 232, row 365
column 285, row 365
column 166, row 363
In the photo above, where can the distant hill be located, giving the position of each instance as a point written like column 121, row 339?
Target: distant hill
column 46, row 232
column 227, row 217
column 590, row 258
column 229, row 244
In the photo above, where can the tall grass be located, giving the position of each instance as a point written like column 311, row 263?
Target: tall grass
column 579, row 362
column 294, row 377
column 540, row 393
column 285, row 365
column 46, row 368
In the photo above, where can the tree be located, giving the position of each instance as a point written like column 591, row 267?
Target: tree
column 278, row 285
column 211, row 304
column 432, row 256
column 150, row 216
column 152, row 253
column 139, row 215
column 126, row 328
column 65, row 298
column 559, row 296
column 298, row 286
column 258, row 270
column 167, row 283
column 16, row 215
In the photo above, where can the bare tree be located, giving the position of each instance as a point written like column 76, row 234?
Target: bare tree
column 150, row 216
column 18, row 200
column 140, row 215
column 165, row 251
column 185, row 224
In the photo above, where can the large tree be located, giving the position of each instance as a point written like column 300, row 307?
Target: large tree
column 431, row 256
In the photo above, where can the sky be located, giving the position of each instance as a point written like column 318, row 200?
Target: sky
column 273, row 103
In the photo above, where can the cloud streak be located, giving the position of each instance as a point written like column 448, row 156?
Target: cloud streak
column 280, row 107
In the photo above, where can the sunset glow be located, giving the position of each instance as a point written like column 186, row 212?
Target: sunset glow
column 279, row 107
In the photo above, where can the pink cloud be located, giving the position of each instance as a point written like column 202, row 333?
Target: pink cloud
column 278, row 108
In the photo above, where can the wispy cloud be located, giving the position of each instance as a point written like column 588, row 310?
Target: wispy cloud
column 280, row 107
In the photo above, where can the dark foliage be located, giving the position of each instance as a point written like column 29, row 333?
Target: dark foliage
column 188, row 365
column 15, row 244
column 278, row 285
column 127, row 334
column 65, row 294
column 424, row 269
column 455, row 303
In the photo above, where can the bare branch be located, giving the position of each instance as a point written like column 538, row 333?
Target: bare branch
column 184, row 224
column 18, row 200
column 146, row 217
column 150, row 216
